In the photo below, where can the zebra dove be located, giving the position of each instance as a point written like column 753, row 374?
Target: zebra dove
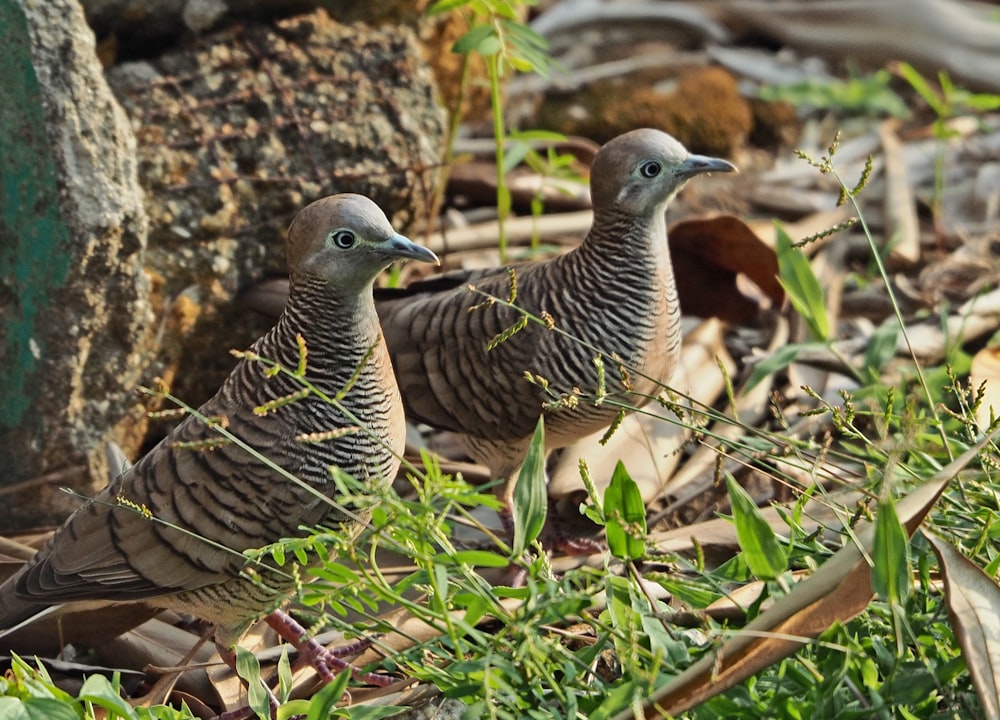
column 170, row 532
column 615, row 292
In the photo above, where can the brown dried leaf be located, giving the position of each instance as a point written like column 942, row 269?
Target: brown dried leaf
column 986, row 369
column 708, row 254
column 973, row 602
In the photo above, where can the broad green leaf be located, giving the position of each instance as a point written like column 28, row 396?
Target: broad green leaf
column 697, row 596
column 625, row 515
column 98, row 690
column 248, row 668
column 800, row 284
column 284, row 675
column 530, row 493
column 36, row 708
column 293, row 709
column 525, row 34
column 370, row 712
column 537, row 135
column 471, row 40
column 477, row 558
column 489, row 45
column 761, row 548
column 890, row 556
column 514, row 154
column 982, row 102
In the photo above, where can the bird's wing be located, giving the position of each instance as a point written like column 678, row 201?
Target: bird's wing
column 210, row 505
column 438, row 332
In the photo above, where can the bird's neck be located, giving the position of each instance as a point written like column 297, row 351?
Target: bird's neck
column 333, row 324
column 623, row 243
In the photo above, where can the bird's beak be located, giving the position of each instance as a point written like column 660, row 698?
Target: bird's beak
column 403, row 247
column 699, row 164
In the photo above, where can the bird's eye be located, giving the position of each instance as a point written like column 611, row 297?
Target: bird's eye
column 650, row 169
column 343, row 239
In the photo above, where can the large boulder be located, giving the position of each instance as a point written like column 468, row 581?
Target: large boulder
column 221, row 142
column 74, row 315
column 240, row 130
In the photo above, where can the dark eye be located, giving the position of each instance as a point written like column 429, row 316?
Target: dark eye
column 650, row 169
column 343, row 239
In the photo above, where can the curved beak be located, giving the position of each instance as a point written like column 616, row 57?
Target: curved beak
column 402, row 247
column 699, row 164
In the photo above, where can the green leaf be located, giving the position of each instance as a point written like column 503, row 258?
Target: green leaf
column 514, row 154
column 99, row 691
column 625, row 515
column 762, row 550
column 531, row 497
column 293, row 708
column 248, row 668
column 372, row 712
column 778, row 360
column 981, row 102
column 471, row 40
column 923, row 88
column 890, row 556
column 36, row 708
column 284, row 675
column 548, row 135
column 526, row 35
column 689, row 593
column 489, row 45
column 476, row 558
column 800, row 284
column 443, row 6
column 323, row 702
column 881, row 347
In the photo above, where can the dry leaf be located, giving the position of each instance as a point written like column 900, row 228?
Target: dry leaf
column 986, row 369
column 973, row 604
column 708, row 255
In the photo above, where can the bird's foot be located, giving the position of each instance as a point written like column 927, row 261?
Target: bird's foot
column 326, row 662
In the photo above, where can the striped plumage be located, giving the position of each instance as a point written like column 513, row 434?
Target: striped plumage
column 209, row 505
column 615, row 292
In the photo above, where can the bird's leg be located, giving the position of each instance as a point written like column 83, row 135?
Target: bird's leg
column 324, row 661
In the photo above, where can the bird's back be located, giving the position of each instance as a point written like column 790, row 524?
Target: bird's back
column 438, row 332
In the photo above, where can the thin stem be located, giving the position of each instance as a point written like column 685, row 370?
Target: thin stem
column 503, row 195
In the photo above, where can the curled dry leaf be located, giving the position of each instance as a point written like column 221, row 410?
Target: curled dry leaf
column 973, row 602
column 708, row 255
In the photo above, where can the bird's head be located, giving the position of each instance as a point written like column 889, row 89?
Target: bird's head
column 347, row 240
column 640, row 171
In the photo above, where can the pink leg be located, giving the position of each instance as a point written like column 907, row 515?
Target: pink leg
column 325, row 662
